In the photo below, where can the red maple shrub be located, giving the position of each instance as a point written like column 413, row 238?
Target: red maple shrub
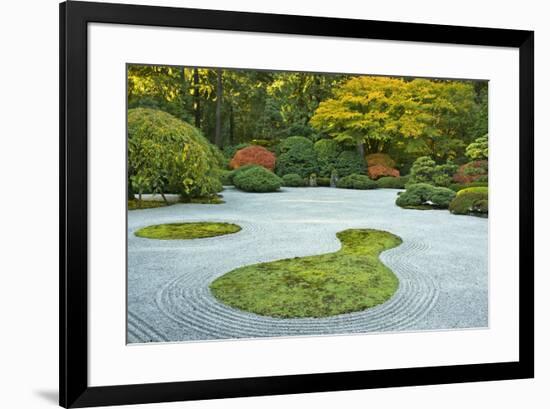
column 380, row 159
column 377, row 171
column 253, row 155
column 471, row 172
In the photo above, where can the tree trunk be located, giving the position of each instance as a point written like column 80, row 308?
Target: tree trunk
column 219, row 96
column 361, row 149
column 183, row 88
column 196, row 98
column 231, row 125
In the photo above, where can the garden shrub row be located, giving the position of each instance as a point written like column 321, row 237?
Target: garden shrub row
column 390, row 182
column 293, row 180
column 356, row 181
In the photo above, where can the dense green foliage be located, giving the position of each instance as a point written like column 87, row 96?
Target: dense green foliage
column 169, row 155
column 351, row 279
column 256, row 179
column 294, row 143
column 327, row 151
column 293, row 180
column 348, row 163
column 355, row 181
column 425, row 195
column 400, row 116
column 389, row 182
column 296, row 156
column 472, row 202
column 186, row 231
column 425, row 170
column 425, row 117
column 478, row 149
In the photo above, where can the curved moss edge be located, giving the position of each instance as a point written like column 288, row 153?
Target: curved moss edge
column 351, row 279
column 187, row 231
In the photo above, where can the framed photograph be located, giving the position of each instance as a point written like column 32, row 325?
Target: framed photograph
column 256, row 204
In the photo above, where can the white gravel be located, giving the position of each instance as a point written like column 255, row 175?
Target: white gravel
column 441, row 265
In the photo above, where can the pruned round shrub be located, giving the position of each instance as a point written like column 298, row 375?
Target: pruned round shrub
column 389, row 182
column 253, row 155
column 327, row 151
column 471, row 172
column 349, row 163
column 441, row 197
column 377, row 171
column 422, row 170
column 478, row 149
column 355, row 181
column 382, row 159
column 424, row 194
column 257, row 179
column 322, row 181
column 474, row 189
column 470, row 202
column 297, row 156
column 293, row 180
column 459, row 186
column 294, row 142
column 166, row 154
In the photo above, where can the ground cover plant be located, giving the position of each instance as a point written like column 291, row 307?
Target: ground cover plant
column 351, row 279
column 186, row 231
column 134, row 204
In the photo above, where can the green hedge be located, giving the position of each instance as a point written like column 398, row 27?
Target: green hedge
column 327, row 151
column 355, row 181
column 321, row 181
column 256, row 179
column 293, row 180
column 296, row 156
column 390, row 182
column 349, row 163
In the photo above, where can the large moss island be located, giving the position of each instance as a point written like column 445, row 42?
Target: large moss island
column 350, row 279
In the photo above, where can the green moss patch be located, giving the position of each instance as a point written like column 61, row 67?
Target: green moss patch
column 351, row 279
column 186, row 231
column 134, row 204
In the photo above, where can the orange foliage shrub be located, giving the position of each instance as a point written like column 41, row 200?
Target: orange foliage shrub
column 380, row 159
column 377, row 171
column 253, row 155
column 470, row 172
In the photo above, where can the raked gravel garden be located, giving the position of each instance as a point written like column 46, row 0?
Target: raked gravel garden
column 441, row 264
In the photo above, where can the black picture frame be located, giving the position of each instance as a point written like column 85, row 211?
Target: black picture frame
column 73, row 257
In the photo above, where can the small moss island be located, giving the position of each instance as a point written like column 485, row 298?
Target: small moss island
column 350, row 279
column 187, row 231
